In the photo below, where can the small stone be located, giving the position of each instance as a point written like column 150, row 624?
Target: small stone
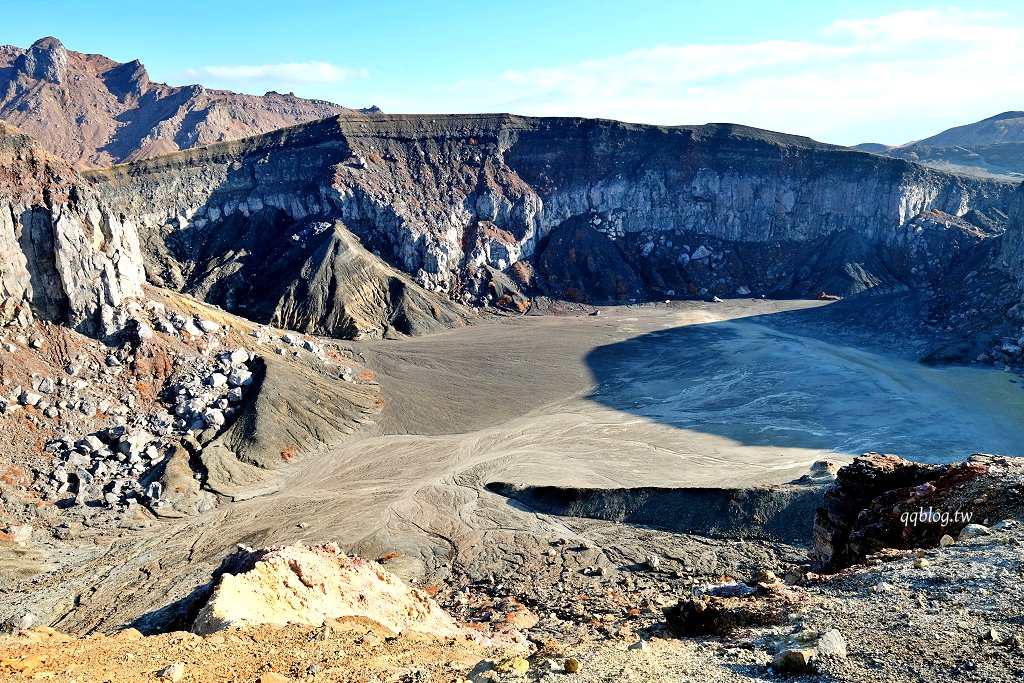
column 995, row 636
column 640, row 645
column 172, row 672
column 112, row 361
column 27, row 398
column 213, row 417
column 515, row 665
column 921, row 563
column 26, row 621
column 974, row 531
column 946, row 541
column 832, row 644
column 653, row 561
column 793, row 660
column 238, row 356
column 216, row 380
column 209, row 326
column 36, row 343
column 572, row 666
column 239, row 377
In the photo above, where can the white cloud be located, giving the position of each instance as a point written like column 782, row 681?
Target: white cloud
column 912, row 70
column 298, row 73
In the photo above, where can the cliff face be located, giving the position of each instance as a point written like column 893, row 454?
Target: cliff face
column 480, row 208
column 66, row 256
column 94, row 111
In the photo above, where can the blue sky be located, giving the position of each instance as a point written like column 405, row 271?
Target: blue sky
column 863, row 71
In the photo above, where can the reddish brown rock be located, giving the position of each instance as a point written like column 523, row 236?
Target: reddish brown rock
column 883, row 501
column 94, row 111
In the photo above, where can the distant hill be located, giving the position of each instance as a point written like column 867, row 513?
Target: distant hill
column 95, row 112
column 991, row 146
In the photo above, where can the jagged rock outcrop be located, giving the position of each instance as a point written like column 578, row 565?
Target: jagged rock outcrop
column 66, row 256
column 883, row 501
column 94, row 111
column 592, row 210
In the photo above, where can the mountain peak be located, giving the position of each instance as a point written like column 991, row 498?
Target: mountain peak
column 48, row 43
column 94, row 111
column 46, row 60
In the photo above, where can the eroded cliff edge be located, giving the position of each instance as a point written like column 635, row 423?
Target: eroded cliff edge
column 67, row 257
column 492, row 209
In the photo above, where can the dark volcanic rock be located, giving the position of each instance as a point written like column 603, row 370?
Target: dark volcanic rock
column 882, row 501
column 578, row 263
column 476, row 208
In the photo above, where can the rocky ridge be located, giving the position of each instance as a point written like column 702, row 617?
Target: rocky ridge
column 492, row 210
column 992, row 146
column 93, row 111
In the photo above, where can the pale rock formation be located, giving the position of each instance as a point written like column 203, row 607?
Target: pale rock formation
column 66, row 257
column 308, row 585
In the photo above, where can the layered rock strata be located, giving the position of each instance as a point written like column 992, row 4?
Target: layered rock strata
column 481, row 207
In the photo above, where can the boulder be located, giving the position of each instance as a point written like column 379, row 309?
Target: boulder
column 308, row 585
column 793, row 660
column 239, row 377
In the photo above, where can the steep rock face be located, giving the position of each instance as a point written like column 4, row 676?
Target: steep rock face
column 94, row 111
column 608, row 210
column 883, row 501
column 66, row 256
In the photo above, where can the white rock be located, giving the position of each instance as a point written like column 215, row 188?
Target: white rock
column 238, row 356
column 216, row 380
column 974, row 531
column 172, row 672
column 209, row 326
column 832, row 644
column 239, row 377
column 28, row 398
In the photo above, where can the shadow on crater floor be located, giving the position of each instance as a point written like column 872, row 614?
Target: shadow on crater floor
column 795, row 379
